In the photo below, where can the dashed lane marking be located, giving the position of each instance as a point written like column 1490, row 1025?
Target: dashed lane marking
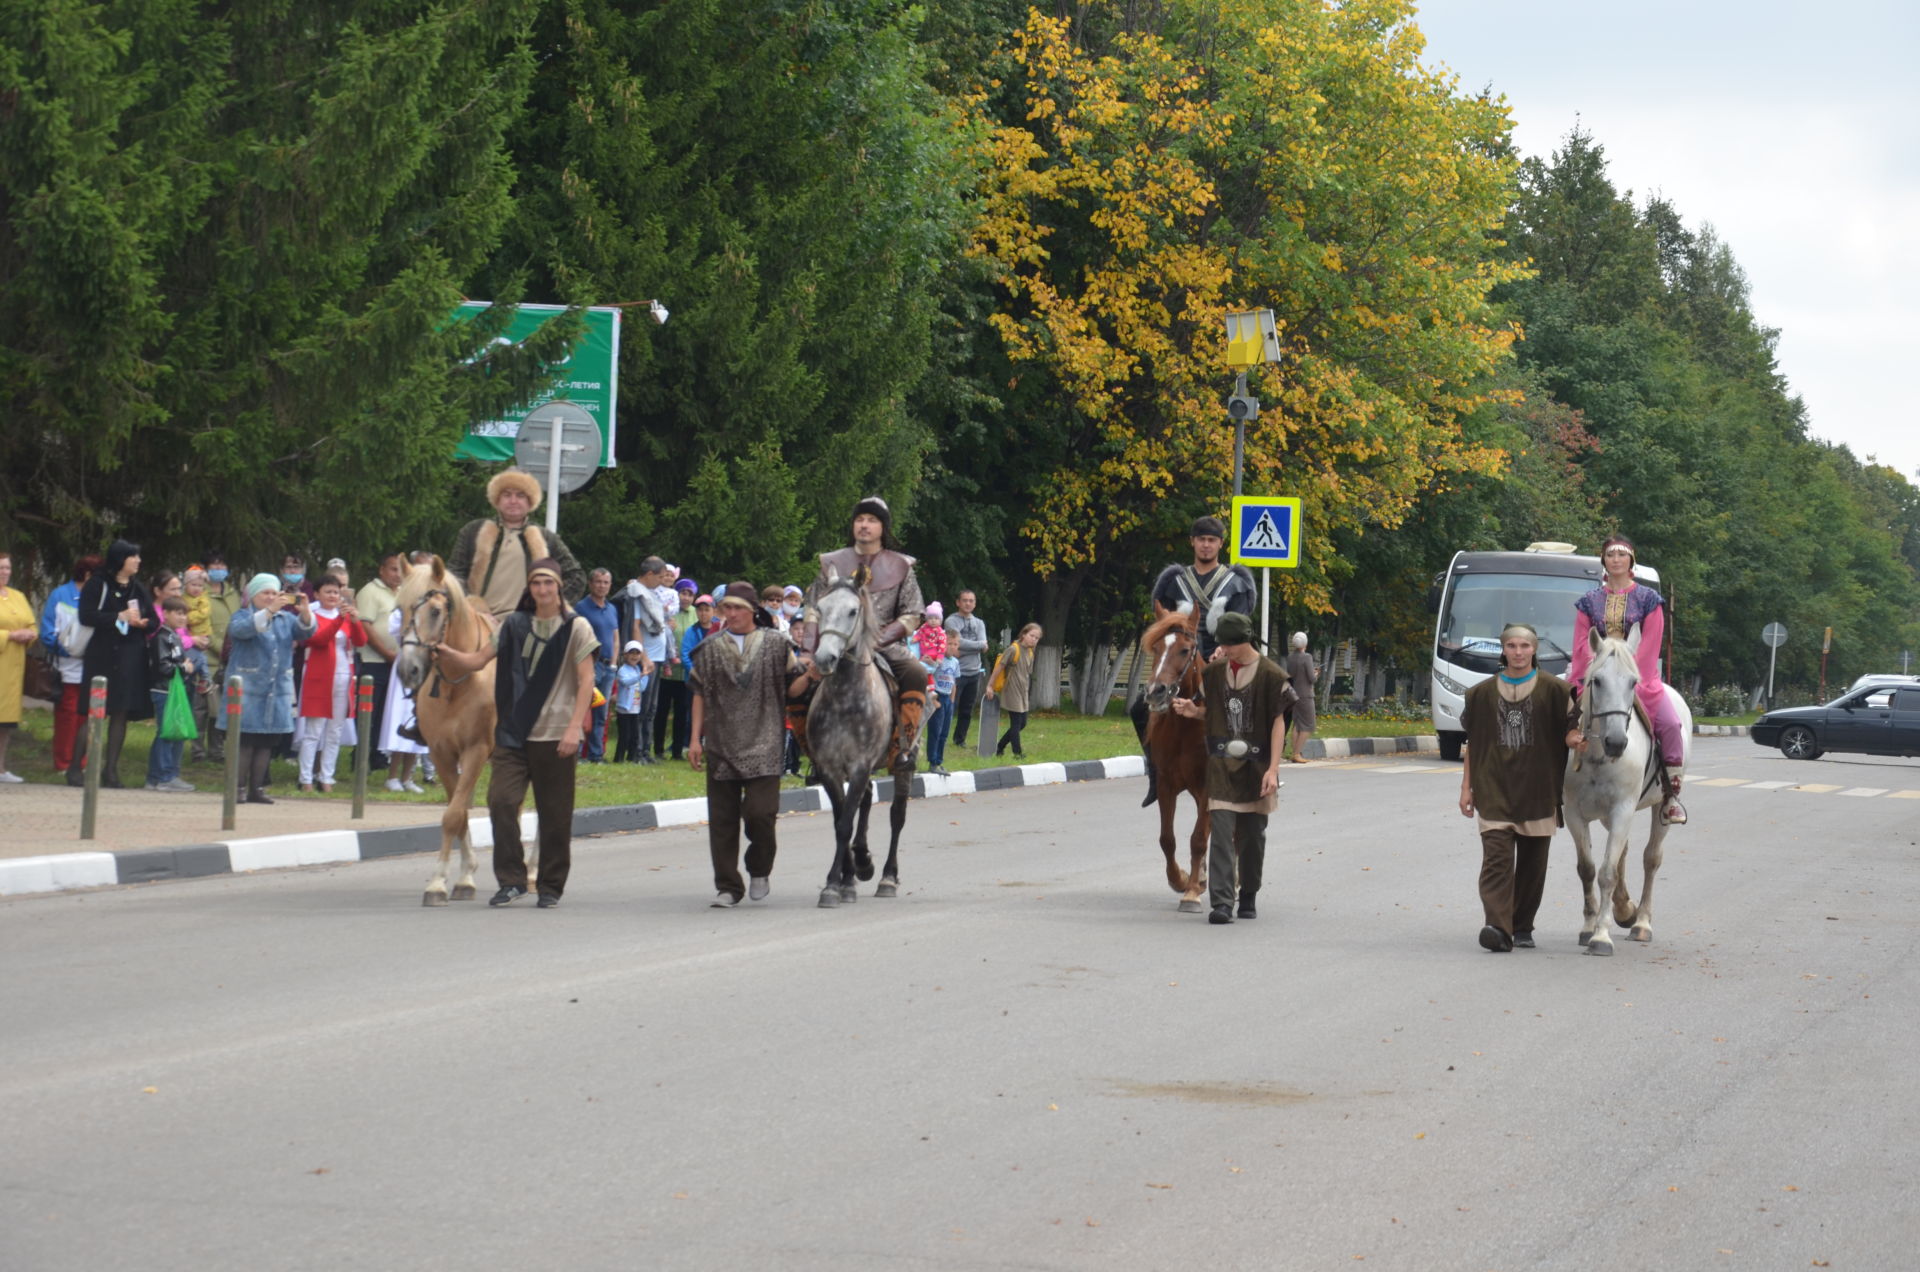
column 1769, row 786
column 1719, row 781
column 1814, row 788
column 1865, row 792
column 1903, row 795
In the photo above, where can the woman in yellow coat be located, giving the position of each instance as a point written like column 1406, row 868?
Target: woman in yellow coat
column 17, row 630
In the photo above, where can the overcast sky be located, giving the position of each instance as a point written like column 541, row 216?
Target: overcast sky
column 1794, row 129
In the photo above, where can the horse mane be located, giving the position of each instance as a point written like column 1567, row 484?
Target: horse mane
column 463, row 621
column 1615, row 651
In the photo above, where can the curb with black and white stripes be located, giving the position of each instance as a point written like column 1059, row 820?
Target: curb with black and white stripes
column 62, row 871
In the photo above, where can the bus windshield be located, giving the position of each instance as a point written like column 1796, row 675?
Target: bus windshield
column 1481, row 604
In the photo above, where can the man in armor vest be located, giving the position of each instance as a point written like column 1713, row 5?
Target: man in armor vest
column 1207, row 586
column 493, row 555
column 894, row 593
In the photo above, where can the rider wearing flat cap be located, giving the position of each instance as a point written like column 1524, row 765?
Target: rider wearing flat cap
column 898, row 608
column 493, row 554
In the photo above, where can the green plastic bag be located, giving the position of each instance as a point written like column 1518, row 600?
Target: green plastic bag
column 176, row 718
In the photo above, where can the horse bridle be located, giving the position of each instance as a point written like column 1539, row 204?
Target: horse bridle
column 1193, row 651
column 411, row 637
column 846, row 637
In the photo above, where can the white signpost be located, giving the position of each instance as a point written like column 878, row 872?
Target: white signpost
column 1775, row 635
column 560, row 441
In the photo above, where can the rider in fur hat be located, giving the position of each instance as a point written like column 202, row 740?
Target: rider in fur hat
column 898, row 608
column 495, row 578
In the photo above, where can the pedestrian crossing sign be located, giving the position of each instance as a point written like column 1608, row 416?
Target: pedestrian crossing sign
column 1265, row 531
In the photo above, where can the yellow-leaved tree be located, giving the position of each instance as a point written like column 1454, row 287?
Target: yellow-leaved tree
column 1146, row 177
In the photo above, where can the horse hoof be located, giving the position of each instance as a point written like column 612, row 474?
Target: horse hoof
column 829, row 898
column 1643, row 935
column 1585, row 937
column 887, row 888
column 849, row 893
column 863, row 868
column 1602, row 948
column 434, row 898
column 1190, row 906
column 463, row 892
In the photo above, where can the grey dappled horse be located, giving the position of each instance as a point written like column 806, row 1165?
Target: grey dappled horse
column 1616, row 776
column 849, row 728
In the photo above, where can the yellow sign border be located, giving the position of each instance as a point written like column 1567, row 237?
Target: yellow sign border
column 1236, row 535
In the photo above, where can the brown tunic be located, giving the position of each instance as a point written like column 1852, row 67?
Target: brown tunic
column 1244, row 710
column 1517, row 751
column 745, row 718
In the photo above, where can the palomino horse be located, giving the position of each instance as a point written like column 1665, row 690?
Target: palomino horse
column 1617, row 775
column 849, row 727
column 1178, row 745
column 455, row 713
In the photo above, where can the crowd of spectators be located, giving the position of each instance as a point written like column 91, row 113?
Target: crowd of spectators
column 300, row 641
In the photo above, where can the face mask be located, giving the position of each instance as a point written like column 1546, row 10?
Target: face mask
column 790, row 609
column 217, row 575
column 294, row 578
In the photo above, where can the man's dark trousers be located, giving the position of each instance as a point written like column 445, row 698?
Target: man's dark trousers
column 676, row 700
column 550, row 774
column 1236, row 855
column 966, row 696
column 754, row 800
column 1513, row 875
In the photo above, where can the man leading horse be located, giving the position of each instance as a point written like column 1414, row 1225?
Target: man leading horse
column 894, row 593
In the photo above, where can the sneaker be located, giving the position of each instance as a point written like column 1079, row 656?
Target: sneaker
column 151, row 786
column 10, row 778
column 257, row 797
column 177, row 786
column 724, row 901
column 1523, row 940
column 507, row 895
column 393, row 784
column 1221, row 914
column 758, row 887
column 547, row 901
column 1493, row 940
column 413, row 788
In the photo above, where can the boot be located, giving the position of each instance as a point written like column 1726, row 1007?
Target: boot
column 906, row 730
column 1675, row 813
column 1153, row 784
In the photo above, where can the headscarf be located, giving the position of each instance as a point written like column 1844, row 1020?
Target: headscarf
column 262, row 582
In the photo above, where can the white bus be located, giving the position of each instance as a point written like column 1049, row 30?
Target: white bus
column 1480, row 593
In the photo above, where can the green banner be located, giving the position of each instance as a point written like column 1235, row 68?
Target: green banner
column 590, row 378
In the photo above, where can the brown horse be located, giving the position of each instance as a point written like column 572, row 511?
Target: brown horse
column 1178, row 745
column 455, row 713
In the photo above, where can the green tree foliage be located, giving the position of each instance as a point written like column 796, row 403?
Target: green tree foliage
column 230, row 238
column 781, row 175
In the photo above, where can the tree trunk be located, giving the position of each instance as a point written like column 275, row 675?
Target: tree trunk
column 1057, row 596
column 1093, row 678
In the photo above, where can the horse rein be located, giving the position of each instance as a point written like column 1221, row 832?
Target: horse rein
column 846, row 637
column 1193, row 651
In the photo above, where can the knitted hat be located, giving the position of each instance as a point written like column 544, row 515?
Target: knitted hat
column 934, row 612
column 686, row 585
column 514, row 479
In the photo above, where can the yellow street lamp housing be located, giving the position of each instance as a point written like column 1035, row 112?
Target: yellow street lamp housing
column 1252, row 338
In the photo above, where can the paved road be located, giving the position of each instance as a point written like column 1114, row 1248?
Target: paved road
column 1028, row 1061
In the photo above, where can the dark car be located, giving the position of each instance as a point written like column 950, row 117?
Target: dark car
column 1872, row 719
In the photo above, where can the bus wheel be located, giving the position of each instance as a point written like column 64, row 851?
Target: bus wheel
column 1450, row 743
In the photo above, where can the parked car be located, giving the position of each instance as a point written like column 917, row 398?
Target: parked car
column 1885, row 681
column 1871, row 719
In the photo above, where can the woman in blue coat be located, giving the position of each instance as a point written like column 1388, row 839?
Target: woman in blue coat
column 260, row 643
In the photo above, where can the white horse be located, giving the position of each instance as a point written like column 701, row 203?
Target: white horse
column 1617, row 775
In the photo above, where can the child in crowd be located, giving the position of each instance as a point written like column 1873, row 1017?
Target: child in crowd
column 173, row 651
column 629, row 682
column 326, row 691
column 930, row 643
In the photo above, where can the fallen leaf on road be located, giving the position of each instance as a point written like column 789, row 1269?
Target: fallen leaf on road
column 1159, row 1185
column 321, row 1170
column 149, row 1090
column 1791, row 1188
column 1054, row 1107
column 1421, row 1135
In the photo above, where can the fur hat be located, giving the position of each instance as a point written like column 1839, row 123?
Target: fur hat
column 514, row 479
column 1207, row 525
